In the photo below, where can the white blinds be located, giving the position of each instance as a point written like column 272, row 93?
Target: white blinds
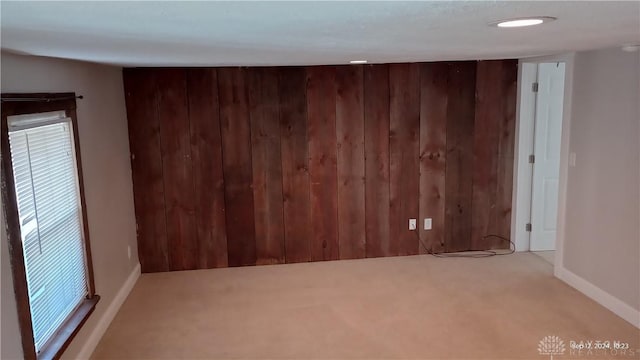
column 48, row 199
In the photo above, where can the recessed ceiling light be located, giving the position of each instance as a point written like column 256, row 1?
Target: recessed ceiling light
column 358, row 62
column 536, row 20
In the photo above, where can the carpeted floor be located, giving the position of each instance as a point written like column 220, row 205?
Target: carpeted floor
column 416, row 307
column 549, row 256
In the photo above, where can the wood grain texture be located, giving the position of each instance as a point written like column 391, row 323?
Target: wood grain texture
column 459, row 169
column 321, row 115
column 295, row 164
column 376, row 117
column 486, row 141
column 177, row 169
column 350, row 156
column 267, row 165
column 236, row 159
column 434, row 82
column 299, row 164
column 404, row 147
column 506, row 152
column 208, row 178
column 493, row 153
column 146, row 168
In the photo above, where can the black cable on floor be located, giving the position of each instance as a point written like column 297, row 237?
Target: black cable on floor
column 474, row 254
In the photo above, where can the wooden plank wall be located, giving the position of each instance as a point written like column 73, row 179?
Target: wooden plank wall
column 141, row 97
column 295, row 164
column 404, row 171
column 208, row 177
column 434, row 81
column 376, row 139
column 351, row 168
column 177, row 168
column 246, row 166
column 459, row 158
column 237, row 167
column 323, row 189
column 267, row 165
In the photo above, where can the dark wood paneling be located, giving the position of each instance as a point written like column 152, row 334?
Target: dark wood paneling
column 376, row 117
column 177, row 169
column 321, row 115
column 236, row 159
column 267, row 165
column 350, row 137
column 319, row 163
column 146, row 168
column 404, row 109
column 459, row 169
column 433, row 152
column 506, row 153
column 295, row 164
column 208, row 179
column 486, row 141
column 493, row 153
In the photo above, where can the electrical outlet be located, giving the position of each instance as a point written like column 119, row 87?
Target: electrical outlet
column 427, row 224
column 412, row 224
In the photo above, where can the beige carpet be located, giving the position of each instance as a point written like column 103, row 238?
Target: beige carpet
column 548, row 256
column 417, row 307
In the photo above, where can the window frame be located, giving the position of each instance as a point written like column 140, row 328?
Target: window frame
column 21, row 104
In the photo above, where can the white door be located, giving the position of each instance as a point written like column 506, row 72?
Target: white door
column 546, row 167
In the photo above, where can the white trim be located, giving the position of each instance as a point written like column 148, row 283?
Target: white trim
column 564, row 150
column 104, row 322
column 523, row 174
column 600, row 296
column 564, row 162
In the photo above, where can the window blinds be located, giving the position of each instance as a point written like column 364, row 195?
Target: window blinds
column 46, row 185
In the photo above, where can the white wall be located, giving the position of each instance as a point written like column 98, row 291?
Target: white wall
column 602, row 227
column 104, row 146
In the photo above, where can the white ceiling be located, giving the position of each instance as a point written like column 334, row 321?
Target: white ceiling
column 299, row 33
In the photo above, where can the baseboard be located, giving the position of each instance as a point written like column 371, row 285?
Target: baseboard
column 600, row 296
column 109, row 314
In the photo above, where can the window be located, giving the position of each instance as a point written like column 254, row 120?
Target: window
column 47, row 208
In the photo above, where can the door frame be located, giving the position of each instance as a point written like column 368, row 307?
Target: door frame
column 525, row 115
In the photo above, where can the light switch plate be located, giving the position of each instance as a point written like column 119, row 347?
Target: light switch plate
column 427, row 224
column 412, row 224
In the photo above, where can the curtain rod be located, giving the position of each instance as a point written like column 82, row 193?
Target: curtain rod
column 46, row 99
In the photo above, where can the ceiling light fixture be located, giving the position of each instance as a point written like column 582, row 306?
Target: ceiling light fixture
column 358, row 62
column 520, row 22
